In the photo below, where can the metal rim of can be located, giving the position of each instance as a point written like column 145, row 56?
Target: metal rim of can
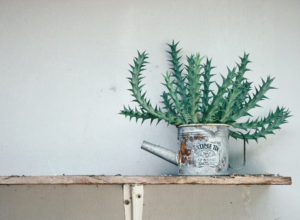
column 202, row 124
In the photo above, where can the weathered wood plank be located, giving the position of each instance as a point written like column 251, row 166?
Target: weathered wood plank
column 147, row 180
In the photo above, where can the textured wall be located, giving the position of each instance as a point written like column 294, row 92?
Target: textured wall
column 63, row 69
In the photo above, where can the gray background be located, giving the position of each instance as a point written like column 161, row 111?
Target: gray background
column 63, row 68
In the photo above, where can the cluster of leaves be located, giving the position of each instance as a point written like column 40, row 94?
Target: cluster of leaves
column 190, row 99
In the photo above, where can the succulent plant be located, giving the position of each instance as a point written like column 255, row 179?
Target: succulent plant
column 190, row 98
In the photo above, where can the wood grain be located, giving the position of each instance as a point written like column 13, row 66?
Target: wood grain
column 147, row 180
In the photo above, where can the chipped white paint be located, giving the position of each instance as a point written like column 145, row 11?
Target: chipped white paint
column 127, row 201
column 133, row 198
column 137, row 202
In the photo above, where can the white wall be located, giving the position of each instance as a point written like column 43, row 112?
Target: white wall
column 63, row 68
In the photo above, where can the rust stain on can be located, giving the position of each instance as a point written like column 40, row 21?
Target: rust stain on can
column 218, row 168
column 182, row 147
column 184, row 153
column 187, row 152
column 185, row 137
column 191, row 162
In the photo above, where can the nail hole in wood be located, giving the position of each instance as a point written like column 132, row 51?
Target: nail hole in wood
column 127, row 202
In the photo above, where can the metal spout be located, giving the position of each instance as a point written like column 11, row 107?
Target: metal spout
column 160, row 152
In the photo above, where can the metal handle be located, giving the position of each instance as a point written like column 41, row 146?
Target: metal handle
column 244, row 154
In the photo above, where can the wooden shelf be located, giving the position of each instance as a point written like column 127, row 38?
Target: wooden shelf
column 146, row 180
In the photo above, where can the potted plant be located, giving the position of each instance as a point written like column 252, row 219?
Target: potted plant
column 205, row 117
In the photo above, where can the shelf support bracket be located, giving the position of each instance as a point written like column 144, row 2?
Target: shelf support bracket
column 133, row 199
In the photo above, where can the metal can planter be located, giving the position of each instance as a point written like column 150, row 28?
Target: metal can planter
column 203, row 149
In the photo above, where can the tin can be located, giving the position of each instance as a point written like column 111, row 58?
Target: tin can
column 204, row 149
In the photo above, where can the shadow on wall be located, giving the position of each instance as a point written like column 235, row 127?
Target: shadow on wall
column 253, row 164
